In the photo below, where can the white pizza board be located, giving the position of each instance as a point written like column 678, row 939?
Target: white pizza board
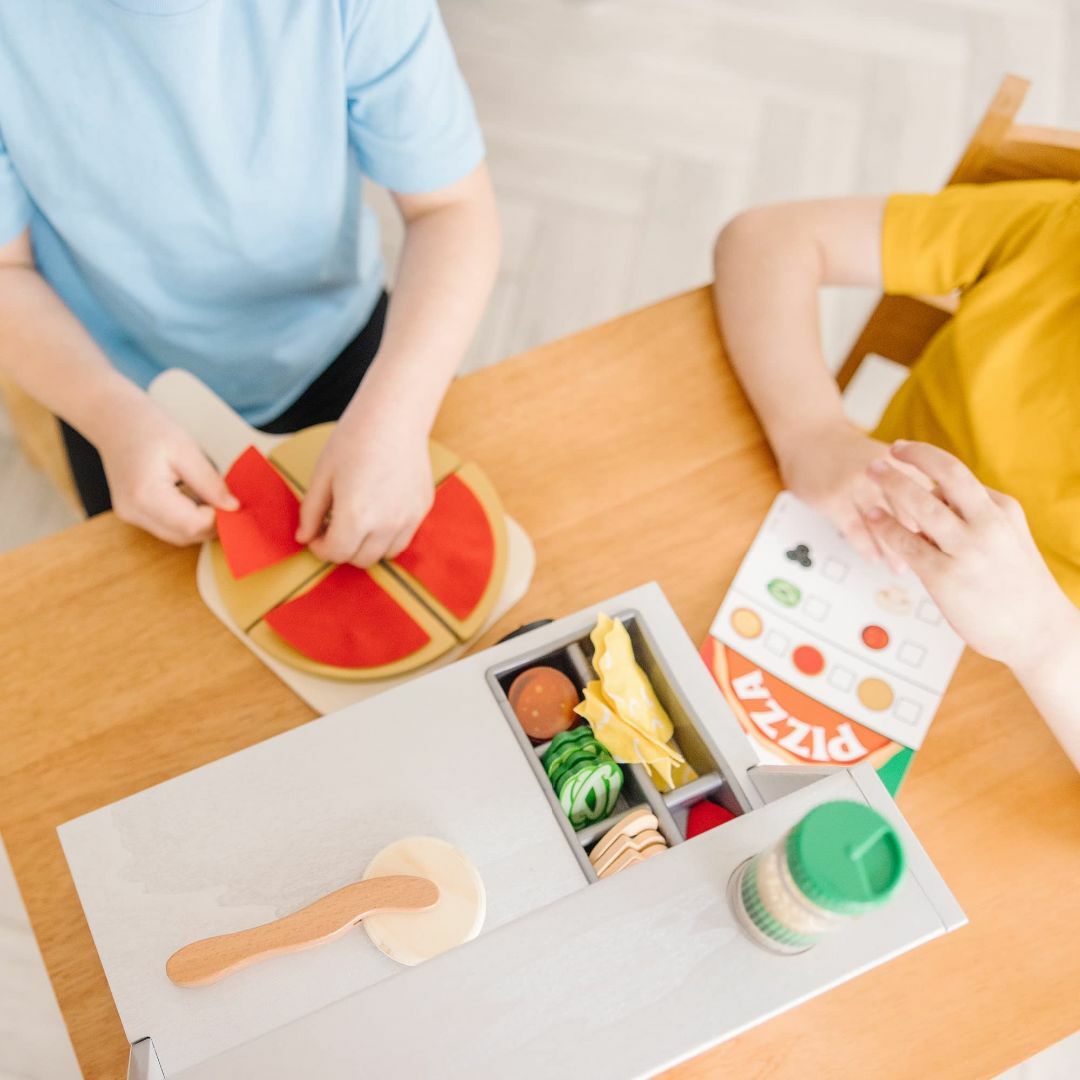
column 830, row 600
column 224, row 435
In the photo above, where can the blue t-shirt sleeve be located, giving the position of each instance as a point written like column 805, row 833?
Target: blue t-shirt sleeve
column 412, row 124
column 14, row 202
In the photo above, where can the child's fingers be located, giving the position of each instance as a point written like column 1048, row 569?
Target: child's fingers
column 313, row 510
column 343, row 541
column 916, row 551
column 1011, row 507
column 917, row 509
column 203, row 479
column 401, row 541
column 858, row 536
column 173, row 517
column 374, row 548
column 865, row 496
column 957, row 482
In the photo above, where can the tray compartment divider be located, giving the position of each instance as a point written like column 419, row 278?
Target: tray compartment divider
column 573, row 655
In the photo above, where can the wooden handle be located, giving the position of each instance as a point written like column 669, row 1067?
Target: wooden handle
column 213, row 958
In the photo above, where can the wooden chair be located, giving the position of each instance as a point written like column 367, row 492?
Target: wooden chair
column 38, row 434
column 900, row 326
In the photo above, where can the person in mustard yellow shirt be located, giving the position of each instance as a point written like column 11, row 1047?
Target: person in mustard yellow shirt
column 993, row 402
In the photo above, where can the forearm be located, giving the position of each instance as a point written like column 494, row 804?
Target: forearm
column 766, row 290
column 447, row 269
column 1052, row 681
column 770, row 264
column 48, row 352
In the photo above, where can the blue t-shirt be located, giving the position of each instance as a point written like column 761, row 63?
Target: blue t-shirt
column 191, row 172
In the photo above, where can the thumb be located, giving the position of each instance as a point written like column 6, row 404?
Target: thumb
column 203, row 479
column 313, row 511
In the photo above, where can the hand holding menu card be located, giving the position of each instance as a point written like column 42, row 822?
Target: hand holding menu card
column 826, row 658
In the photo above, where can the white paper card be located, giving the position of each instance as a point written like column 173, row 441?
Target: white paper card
column 808, row 609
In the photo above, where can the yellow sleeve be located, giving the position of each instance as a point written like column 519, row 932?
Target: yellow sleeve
column 932, row 244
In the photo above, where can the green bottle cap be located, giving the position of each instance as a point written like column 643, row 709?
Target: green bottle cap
column 845, row 857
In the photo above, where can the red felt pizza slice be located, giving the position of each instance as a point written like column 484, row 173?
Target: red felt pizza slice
column 352, row 624
column 263, row 531
column 456, row 561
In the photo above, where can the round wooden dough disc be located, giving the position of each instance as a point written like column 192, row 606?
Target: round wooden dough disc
column 413, row 937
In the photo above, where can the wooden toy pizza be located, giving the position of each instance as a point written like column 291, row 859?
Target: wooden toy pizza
column 824, row 657
column 342, row 622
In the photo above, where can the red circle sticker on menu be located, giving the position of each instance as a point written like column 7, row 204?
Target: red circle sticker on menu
column 808, row 660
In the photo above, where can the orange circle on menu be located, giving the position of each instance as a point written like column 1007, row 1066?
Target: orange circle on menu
column 875, row 637
column 875, row 694
column 746, row 623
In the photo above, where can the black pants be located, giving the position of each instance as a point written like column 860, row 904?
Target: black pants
column 325, row 399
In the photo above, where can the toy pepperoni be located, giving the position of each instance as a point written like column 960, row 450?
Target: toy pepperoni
column 543, row 700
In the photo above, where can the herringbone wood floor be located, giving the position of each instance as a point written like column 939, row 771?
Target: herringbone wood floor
column 621, row 134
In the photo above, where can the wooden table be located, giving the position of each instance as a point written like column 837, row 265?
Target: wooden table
column 629, row 454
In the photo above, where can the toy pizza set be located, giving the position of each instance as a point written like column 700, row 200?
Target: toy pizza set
column 825, row 658
column 337, row 634
column 567, row 834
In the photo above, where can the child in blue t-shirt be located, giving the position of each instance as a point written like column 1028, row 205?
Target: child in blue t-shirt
column 180, row 186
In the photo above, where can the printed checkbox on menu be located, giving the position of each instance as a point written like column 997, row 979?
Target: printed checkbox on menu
column 907, row 710
column 842, row 678
column 835, row 570
column 911, row 654
column 928, row 613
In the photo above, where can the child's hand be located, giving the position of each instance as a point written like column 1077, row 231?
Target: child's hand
column 972, row 549
column 147, row 457
column 371, row 489
column 828, row 470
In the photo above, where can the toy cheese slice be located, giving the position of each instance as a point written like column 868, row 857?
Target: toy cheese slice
column 342, row 622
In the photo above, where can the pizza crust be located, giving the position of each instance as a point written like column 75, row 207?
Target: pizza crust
column 412, row 937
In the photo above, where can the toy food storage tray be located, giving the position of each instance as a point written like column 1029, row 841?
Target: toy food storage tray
column 651, row 961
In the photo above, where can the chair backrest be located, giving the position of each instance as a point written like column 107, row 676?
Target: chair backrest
column 900, row 326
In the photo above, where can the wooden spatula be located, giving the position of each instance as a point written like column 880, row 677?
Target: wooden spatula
column 213, row 958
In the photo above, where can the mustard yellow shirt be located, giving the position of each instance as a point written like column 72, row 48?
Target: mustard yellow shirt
column 999, row 384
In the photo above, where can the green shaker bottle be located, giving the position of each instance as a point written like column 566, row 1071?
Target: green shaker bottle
column 842, row 860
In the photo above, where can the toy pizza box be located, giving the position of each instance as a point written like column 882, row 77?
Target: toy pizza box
column 826, row 658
